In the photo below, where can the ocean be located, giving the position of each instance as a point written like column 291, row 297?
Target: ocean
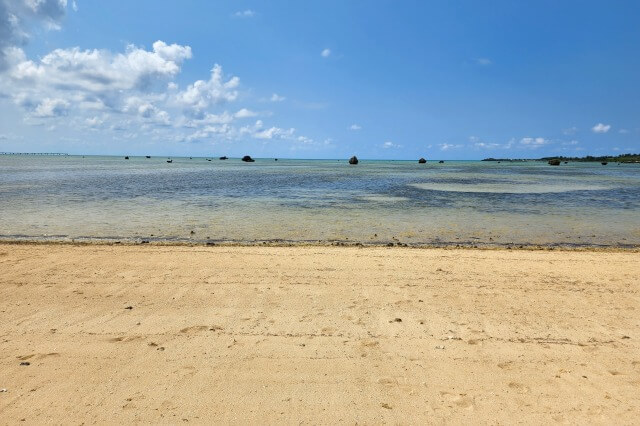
column 65, row 198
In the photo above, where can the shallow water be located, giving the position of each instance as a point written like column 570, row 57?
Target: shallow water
column 464, row 202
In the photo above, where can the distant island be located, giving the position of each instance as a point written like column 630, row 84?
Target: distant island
column 622, row 158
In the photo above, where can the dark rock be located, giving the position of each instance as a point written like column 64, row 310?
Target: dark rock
column 129, row 307
column 353, row 160
column 126, row 158
column 441, row 161
column 223, row 158
column 275, row 159
column 566, row 162
column 604, row 163
column 147, row 156
column 169, row 161
column 554, row 162
column 25, row 363
column 248, row 159
column 422, row 161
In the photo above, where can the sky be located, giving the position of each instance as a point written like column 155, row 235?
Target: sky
column 321, row 79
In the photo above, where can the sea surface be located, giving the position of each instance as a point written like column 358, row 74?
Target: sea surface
column 375, row 202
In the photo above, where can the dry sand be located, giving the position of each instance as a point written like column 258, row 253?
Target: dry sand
column 318, row 335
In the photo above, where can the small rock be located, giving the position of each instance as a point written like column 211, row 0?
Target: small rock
column 385, row 405
column 439, row 347
column 193, row 232
column 422, row 161
column 248, row 159
column 353, row 160
column 25, row 363
column 626, row 337
column 129, row 307
column 396, row 320
column 3, row 390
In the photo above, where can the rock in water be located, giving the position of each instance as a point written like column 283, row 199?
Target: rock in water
column 441, row 161
column 224, row 157
column 353, row 160
column 422, row 161
column 248, row 159
column 554, row 162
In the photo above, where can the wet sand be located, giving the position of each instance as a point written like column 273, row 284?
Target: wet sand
column 116, row 334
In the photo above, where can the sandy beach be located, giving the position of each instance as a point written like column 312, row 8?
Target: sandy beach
column 173, row 334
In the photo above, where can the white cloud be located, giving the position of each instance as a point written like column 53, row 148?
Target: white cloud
column 245, row 113
column 51, row 108
column 623, row 131
column 15, row 15
column 355, row 127
column 570, row 131
column 244, row 13
column 483, row 61
column 448, row 146
column 389, row 144
column 601, row 128
column 276, row 98
column 202, row 94
column 325, row 53
column 533, row 143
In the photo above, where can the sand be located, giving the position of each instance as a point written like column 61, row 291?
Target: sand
column 317, row 335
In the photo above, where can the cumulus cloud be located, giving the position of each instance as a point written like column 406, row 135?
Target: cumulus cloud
column 355, row 127
column 276, row 98
column 245, row 113
column 601, row 128
column 202, row 94
column 325, row 53
column 131, row 94
column 15, row 15
column 49, row 107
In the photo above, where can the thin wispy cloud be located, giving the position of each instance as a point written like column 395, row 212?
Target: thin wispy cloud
column 277, row 98
column 325, row 53
column 244, row 13
column 484, row 61
column 355, row 127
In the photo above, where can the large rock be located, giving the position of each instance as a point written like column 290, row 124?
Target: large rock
column 224, row 157
column 422, row 161
column 554, row 162
column 248, row 159
column 353, row 160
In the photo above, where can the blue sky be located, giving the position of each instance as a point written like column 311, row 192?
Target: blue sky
column 383, row 79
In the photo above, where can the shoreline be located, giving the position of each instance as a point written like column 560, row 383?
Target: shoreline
column 160, row 242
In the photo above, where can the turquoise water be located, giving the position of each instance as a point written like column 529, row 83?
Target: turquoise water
column 458, row 202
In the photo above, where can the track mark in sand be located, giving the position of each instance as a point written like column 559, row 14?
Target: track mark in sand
column 124, row 339
column 38, row 356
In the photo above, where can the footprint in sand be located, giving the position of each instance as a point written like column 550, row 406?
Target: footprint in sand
column 519, row 387
column 461, row 400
